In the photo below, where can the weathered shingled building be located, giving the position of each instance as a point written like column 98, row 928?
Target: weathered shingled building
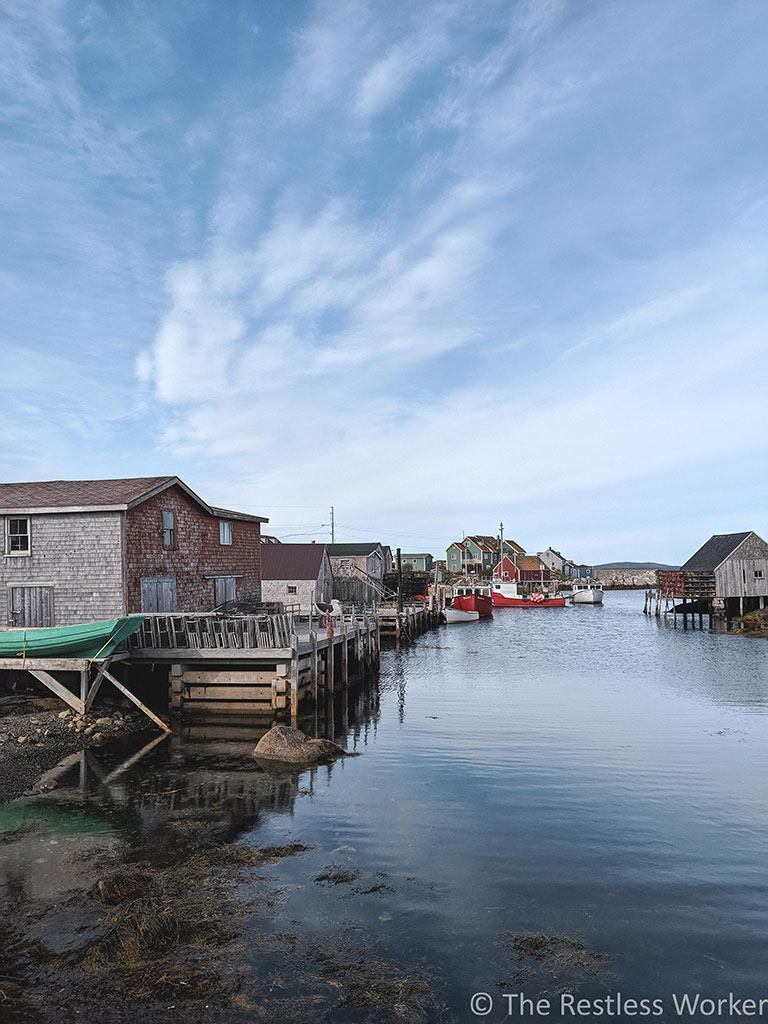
column 83, row 550
column 297, row 574
column 730, row 570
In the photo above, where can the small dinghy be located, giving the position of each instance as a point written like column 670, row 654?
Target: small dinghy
column 87, row 640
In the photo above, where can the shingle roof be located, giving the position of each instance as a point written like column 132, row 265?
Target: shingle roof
column 336, row 550
column 79, row 493
column 530, row 563
column 84, row 494
column 291, row 561
column 715, row 551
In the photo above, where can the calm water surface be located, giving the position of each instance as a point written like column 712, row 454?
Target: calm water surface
column 588, row 770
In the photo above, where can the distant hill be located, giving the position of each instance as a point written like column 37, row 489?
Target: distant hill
column 635, row 565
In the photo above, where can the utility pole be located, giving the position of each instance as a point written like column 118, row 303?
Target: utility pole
column 333, row 527
column 399, row 583
column 501, row 550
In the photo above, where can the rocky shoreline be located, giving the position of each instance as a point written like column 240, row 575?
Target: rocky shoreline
column 37, row 733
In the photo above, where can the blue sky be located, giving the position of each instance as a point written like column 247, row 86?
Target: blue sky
column 437, row 264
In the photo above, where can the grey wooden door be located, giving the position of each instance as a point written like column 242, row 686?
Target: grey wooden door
column 224, row 589
column 158, row 594
column 30, row 606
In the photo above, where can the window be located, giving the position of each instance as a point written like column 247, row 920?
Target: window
column 343, row 563
column 758, row 574
column 292, row 589
column 17, row 537
column 225, row 532
column 169, row 530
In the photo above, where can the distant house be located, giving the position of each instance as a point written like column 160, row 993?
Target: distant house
column 556, row 561
column 83, row 550
column 417, row 563
column 523, row 568
column 731, row 568
column 296, row 574
column 582, row 572
column 478, row 553
column 267, row 538
column 358, row 570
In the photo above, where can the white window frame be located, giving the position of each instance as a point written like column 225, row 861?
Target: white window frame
column 225, row 532
column 291, row 588
column 8, row 535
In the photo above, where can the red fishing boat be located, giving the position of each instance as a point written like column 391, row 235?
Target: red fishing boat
column 471, row 597
column 507, row 595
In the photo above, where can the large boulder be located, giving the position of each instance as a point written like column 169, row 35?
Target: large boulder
column 292, row 746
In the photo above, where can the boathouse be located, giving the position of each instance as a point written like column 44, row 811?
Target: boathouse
column 421, row 562
column 358, row 570
column 82, row 550
column 729, row 573
column 298, row 575
column 524, row 569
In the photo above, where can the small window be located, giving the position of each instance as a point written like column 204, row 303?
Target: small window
column 758, row 574
column 291, row 589
column 169, row 530
column 225, row 532
column 17, row 537
column 343, row 563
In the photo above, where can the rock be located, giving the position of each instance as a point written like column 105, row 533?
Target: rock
column 21, row 739
column 47, row 785
column 103, row 721
column 90, row 730
column 65, row 714
column 98, row 739
column 282, row 743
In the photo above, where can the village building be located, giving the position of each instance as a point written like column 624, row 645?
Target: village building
column 556, row 561
column 76, row 551
column 416, row 563
column 296, row 574
column 582, row 572
column 523, row 568
column 477, row 553
column 359, row 570
column 729, row 572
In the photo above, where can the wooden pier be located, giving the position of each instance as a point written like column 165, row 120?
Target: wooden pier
column 255, row 665
column 407, row 624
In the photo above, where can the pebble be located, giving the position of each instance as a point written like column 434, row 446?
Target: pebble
column 65, row 714
column 90, row 730
column 21, row 739
column 103, row 721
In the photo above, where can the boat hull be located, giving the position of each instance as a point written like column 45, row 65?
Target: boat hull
column 501, row 601
column 587, row 597
column 88, row 640
column 480, row 603
column 454, row 615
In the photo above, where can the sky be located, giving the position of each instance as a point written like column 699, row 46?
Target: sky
column 438, row 264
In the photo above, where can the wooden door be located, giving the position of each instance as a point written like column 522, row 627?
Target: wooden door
column 158, row 594
column 30, row 607
column 224, row 589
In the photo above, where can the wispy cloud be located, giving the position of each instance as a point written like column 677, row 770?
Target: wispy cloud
column 438, row 259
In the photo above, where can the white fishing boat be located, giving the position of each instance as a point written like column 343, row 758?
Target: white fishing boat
column 457, row 610
column 588, row 592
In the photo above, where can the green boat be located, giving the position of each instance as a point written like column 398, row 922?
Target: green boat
column 88, row 640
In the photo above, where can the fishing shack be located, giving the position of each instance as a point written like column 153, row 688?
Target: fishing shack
column 727, row 576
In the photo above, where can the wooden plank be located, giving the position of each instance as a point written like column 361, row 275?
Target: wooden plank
column 189, row 653
column 142, row 707
column 61, row 691
column 47, row 664
column 227, row 677
column 230, row 693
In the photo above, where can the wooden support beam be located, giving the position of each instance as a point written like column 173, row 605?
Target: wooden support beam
column 56, row 687
column 294, row 680
column 142, row 707
column 315, row 683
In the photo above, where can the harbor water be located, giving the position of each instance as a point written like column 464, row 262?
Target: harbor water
column 552, row 801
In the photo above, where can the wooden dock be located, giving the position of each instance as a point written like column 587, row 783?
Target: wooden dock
column 255, row 665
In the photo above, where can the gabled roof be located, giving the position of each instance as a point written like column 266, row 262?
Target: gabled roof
column 513, row 544
column 41, row 496
column 415, row 554
column 456, row 544
column 715, row 551
column 531, row 563
column 291, row 561
column 341, row 550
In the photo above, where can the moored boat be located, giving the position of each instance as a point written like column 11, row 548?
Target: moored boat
column 473, row 597
column 454, row 615
column 590, row 592
column 86, row 640
column 506, row 594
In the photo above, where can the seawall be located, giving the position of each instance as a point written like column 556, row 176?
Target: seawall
column 627, row 579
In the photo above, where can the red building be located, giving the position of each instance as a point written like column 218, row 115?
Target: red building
column 524, row 569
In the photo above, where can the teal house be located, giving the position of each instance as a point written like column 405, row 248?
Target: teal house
column 417, row 562
column 478, row 553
